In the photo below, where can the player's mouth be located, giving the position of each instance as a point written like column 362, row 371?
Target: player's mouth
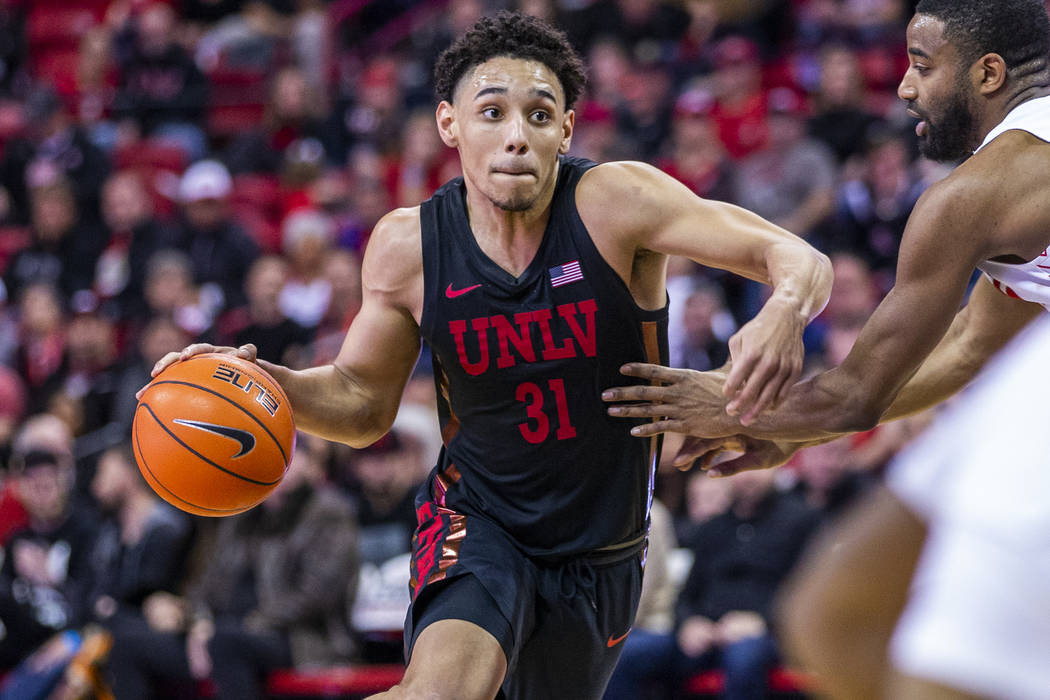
column 921, row 127
column 514, row 172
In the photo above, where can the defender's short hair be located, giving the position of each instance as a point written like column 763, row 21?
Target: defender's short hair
column 513, row 35
column 1017, row 30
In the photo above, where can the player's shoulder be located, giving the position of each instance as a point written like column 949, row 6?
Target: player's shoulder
column 621, row 192
column 964, row 193
column 397, row 233
column 620, row 176
column 395, row 249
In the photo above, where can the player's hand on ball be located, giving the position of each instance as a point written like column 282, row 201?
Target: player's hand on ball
column 245, row 352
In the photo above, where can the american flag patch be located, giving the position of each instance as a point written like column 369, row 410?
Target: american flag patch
column 565, row 273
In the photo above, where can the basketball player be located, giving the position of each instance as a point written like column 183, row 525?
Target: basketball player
column 979, row 78
column 533, row 279
column 965, row 521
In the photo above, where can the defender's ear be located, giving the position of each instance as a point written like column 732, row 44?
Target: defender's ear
column 447, row 125
column 989, row 73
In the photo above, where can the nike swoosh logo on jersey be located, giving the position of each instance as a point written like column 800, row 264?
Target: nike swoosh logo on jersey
column 246, row 439
column 453, row 293
column 613, row 641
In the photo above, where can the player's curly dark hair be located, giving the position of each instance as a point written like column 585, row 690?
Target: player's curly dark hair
column 1017, row 30
column 517, row 36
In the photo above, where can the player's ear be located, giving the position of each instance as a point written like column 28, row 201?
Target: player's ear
column 567, row 124
column 989, row 73
column 447, row 126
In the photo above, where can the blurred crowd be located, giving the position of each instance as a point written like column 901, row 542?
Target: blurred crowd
column 210, row 170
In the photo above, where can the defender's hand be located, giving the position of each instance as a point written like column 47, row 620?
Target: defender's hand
column 716, row 455
column 767, row 355
column 245, row 352
column 686, row 401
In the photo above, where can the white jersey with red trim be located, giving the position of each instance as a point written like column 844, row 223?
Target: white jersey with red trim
column 1029, row 281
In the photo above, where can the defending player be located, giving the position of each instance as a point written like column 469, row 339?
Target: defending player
column 533, row 278
column 972, row 547
column 978, row 79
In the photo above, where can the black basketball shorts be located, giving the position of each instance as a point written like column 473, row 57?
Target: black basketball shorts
column 561, row 626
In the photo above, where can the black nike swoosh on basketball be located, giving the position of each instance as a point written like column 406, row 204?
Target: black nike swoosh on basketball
column 246, row 439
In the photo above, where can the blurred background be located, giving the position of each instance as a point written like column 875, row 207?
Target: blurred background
column 210, row 170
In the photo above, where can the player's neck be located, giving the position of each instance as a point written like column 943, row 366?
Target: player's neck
column 995, row 116
column 509, row 238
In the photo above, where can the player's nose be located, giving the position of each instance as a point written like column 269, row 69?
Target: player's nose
column 905, row 89
column 516, row 139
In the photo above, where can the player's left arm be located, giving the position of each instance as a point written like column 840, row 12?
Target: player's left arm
column 987, row 323
column 663, row 217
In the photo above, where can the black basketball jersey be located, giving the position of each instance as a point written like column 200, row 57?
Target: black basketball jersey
column 520, row 364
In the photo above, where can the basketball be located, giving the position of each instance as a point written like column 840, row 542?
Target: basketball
column 213, row 434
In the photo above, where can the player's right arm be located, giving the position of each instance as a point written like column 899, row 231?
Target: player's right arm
column 951, row 229
column 355, row 398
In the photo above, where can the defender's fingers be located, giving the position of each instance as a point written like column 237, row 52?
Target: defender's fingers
column 640, row 410
column 744, row 463
column 655, row 428
column 635, row 392
column 693, row 448
column 652, row 372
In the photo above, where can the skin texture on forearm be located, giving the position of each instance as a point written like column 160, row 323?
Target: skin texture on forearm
column 330, row 404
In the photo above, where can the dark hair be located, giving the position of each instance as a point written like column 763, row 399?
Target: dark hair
column 1017, row 30
column 513, row 35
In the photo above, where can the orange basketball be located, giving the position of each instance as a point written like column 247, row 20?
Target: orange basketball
column 213, row 434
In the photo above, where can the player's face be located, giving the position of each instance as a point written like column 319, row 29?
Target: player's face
column 509, row 124
column 938, row 92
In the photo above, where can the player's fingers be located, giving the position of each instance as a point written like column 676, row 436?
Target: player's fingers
column 248, row 352
column 738, row 375
column 162, row 364
column 636, row 392
column 639, row 410
column 794, row 372
column 765, row 399
column 755, row 384
column 651, row 372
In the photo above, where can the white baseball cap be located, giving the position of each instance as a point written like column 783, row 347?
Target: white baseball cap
column 205, row 179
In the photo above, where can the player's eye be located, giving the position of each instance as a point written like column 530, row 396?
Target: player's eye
column 541, row 116
column 491, row 113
